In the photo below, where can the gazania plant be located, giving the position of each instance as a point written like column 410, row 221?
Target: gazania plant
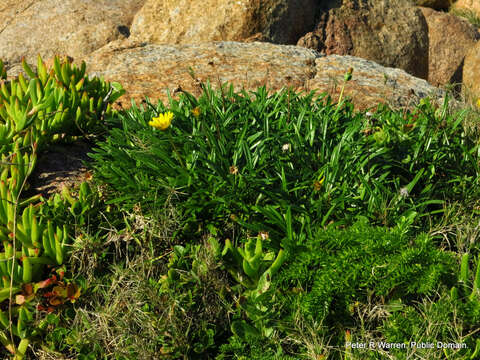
column 244, row 225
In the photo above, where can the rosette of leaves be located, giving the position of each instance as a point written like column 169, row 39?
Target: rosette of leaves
column 253, row 269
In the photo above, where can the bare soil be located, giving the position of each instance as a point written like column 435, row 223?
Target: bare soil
column 60, row 164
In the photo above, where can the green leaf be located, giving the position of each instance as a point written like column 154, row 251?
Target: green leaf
column 243, row 330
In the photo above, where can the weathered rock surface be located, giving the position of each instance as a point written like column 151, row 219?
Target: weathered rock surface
column 192, row 21
column 434, row 4
column 29, row 27
column 371, row 83
column 468, row 5
column 471, row 74
column 391, row 33
column 450, row 38
column 151, row 70
column 9, row 9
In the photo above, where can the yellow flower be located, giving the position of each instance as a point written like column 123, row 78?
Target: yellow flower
column 478, row 103
column 163, row 121
column 196, row 111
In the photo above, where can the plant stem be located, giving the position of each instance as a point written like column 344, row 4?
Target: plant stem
column 175, row 150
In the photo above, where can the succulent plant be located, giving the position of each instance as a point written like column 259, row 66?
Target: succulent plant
column 58, row 100
column 251, row 261
column 253, row 269
column 35, row 112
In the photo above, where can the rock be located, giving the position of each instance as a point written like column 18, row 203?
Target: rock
column 9, row 9
column 467, row 6
column 434, row 4
column 152, row 69
column 450, row 38
column 72, row 27
column 192, row 21
column 391, row 33
column 471, row 74
column 311, row 40
column 371, row 83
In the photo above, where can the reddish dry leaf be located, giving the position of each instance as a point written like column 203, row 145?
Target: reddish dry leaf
column 27, row 289
column 73, row 292
column 55, row 301
column 44, row 283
